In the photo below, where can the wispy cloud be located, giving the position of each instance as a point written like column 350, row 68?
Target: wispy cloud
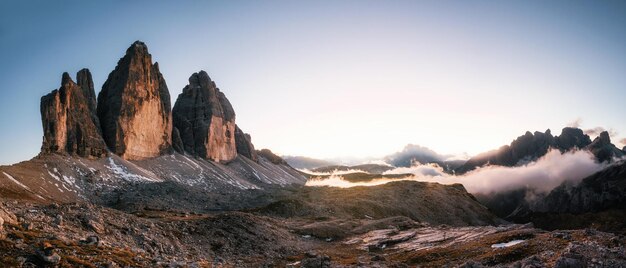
column 576, row 123
column 597, row 130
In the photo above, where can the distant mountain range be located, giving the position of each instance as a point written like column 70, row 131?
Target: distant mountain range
column 530, row 146
column 524, row 149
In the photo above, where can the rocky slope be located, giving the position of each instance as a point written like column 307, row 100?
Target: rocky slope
column 59, row 178
column 421, row 201
column 205, row 120
column 84, row 235
column 134, row 107
column 599, row 201
column 601, row 191
column 69, row 121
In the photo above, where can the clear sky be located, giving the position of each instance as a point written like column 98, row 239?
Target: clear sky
column 338, row 78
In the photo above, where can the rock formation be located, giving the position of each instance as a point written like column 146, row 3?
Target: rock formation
column 603, row 190
column 272, row 157
column 603, row 149
column 69, row 123
column 244, row 144
column 529, row 147
column 572, row 138
column 84, row 80
column 205, row 120
column 134, row 107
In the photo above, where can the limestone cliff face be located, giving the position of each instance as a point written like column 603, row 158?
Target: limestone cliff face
column 69, row 121
column 134, row 107
column 205, row 120
column 244, row 144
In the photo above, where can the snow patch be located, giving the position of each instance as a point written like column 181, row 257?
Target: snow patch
column 15, row 181
column 507, row 244
column 123, row 173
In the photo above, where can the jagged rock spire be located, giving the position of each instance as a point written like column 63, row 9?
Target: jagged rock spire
column 69, row 121
column 244, row 144
column 134, row 107
column 205, row 120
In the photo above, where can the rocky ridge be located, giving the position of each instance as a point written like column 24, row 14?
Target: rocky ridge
column 531, row 146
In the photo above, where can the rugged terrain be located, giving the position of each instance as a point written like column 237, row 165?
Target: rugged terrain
column 123, row 180
column 85, row 235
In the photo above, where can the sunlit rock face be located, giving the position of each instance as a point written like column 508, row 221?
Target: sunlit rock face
column 134, row 107
column 244, row 144
column 205, row 120
column 69, row 121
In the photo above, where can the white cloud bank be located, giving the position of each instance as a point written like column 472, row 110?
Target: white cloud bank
column 541, row 176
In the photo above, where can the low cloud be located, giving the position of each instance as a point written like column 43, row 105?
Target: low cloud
column 541, row 176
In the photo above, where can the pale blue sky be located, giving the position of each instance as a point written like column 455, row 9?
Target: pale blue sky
column 337, row 78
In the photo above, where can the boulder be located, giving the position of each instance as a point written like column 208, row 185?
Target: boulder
column 69, row 121
column 205, row 120
column 134, row 107
column 7, row 217
column 48, row 254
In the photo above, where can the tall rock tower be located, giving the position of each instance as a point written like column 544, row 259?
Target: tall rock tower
column 69, row 121
column 134, row 107
column 205, row 120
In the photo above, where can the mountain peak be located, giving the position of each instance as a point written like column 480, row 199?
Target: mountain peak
column 137, row 47
column 134, row 107
column 604, row 137
column 205, row 120
column 85, row 82
column 202, row 80
column 65, row 79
